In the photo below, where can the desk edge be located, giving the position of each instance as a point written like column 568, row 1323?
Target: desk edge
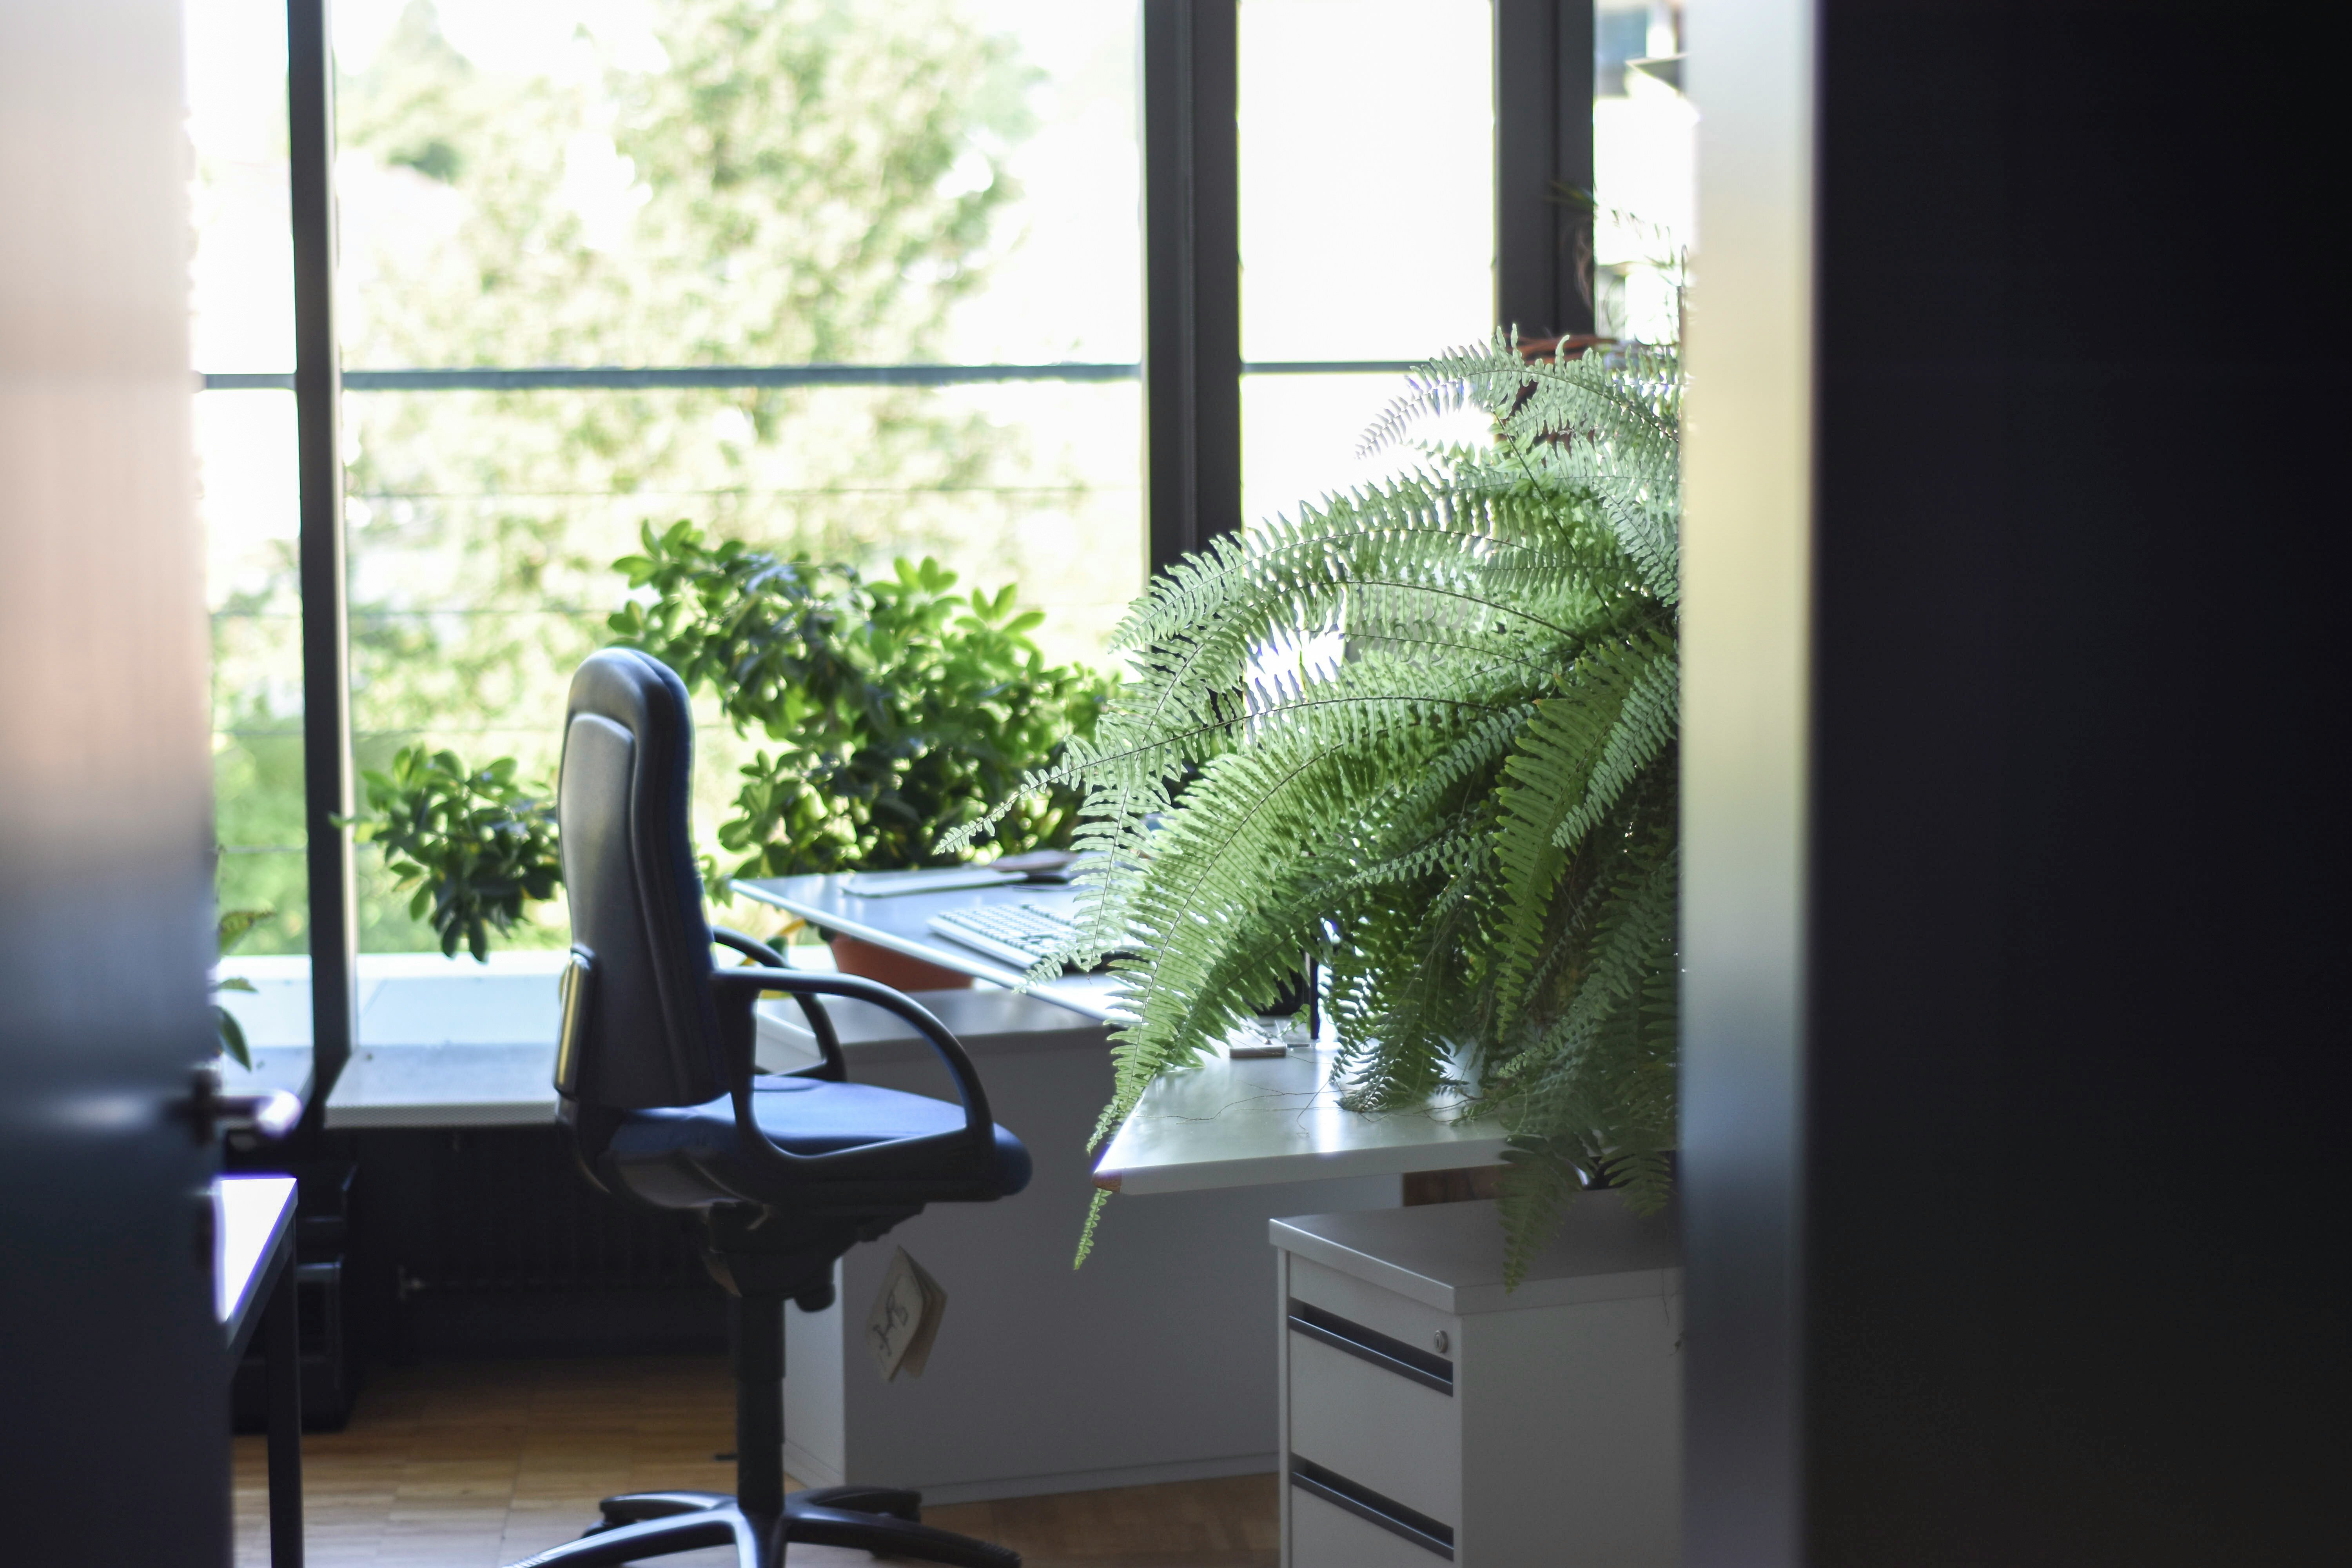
column 237, row 1329
column 1265, row 1170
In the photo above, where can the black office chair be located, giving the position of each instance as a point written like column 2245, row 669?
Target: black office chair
column 786, row 1172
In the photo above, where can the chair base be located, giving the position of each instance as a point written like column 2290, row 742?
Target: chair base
column 762, row 1258
column 884, row 1521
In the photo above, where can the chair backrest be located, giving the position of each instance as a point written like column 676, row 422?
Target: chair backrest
column 639, row 1028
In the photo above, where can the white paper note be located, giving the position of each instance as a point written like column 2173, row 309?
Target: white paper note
column 905, row 1318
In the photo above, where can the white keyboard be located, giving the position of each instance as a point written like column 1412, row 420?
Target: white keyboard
column 1018, row 933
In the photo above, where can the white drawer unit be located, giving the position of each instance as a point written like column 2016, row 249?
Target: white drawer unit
column 1430, row 1415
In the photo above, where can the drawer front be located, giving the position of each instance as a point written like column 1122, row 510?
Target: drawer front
column 1400, row 1438
column 1385, row 1312
column 1369, row 1344
column 1327, row 1535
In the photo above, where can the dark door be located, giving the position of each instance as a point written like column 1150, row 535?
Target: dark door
column 113, row 1430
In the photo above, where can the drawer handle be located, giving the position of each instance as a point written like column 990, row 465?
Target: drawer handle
column 1365, row 1503
column 1369, row 1345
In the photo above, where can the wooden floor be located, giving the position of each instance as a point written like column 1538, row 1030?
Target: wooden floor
column 476, row 1464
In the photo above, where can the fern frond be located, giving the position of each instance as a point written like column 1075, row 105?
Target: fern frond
column 1425, row 730
column 1578, row 752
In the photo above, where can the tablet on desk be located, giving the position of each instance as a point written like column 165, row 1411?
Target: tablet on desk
column 1048, row 866
column 937, row 880
column 1055, row 865
column 901, row 925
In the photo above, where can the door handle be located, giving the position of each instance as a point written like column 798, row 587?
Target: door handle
column 211, row 1114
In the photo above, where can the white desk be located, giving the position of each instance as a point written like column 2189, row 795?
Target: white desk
column 445, row 1086
column 441, row 1042
column 1151, row 1363
column 507, row 1083
column 252, row 1218
column 452, row 1043
column 253, row 1280
column 449, row 1043
column 1223, row 1124
column 275, row 1068
column 897, row 923
column 1230, row 1123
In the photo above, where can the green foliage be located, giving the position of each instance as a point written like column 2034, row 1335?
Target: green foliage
column 788, row 162
column 1426, row 732
column 234, row 924
column 898, row 708
column 473, row 844
column 257, row 794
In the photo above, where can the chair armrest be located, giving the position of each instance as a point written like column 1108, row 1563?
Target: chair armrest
column 751, row 947
column 835, row 1067
column 979, row 1126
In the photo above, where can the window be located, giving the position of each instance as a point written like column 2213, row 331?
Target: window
column 882, row 260
column 944, row 192
column 1361, row 239
column 1643, row 165
column 242, row 324
column 853, row 278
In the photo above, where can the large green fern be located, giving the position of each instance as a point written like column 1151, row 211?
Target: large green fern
column 1425, row 733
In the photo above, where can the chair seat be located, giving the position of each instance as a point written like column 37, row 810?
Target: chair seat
column 671, row 1154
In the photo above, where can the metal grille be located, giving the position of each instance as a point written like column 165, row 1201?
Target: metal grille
column 512, row 1212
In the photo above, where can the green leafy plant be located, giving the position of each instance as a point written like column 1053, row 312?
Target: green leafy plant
column 474, row 843
column 1425, row 732
column 234, row 924
column 899, row 709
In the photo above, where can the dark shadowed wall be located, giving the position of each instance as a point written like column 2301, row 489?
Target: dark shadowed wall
column 2015, row 1069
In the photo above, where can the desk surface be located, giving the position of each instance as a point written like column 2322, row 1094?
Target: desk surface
column 253, row 1218
column 445, row 1086
column 1229, row 1124
column 897, row 923
column 1225, row 1123
column 505, row 1085
column 275, row 1067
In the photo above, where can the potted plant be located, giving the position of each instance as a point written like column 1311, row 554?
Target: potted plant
column 1425, row 732
column 474, row 843
column 226, row 1031
column 893, row 711
column 898, row 712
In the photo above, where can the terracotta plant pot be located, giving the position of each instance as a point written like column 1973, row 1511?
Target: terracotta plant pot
column 895, row 970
